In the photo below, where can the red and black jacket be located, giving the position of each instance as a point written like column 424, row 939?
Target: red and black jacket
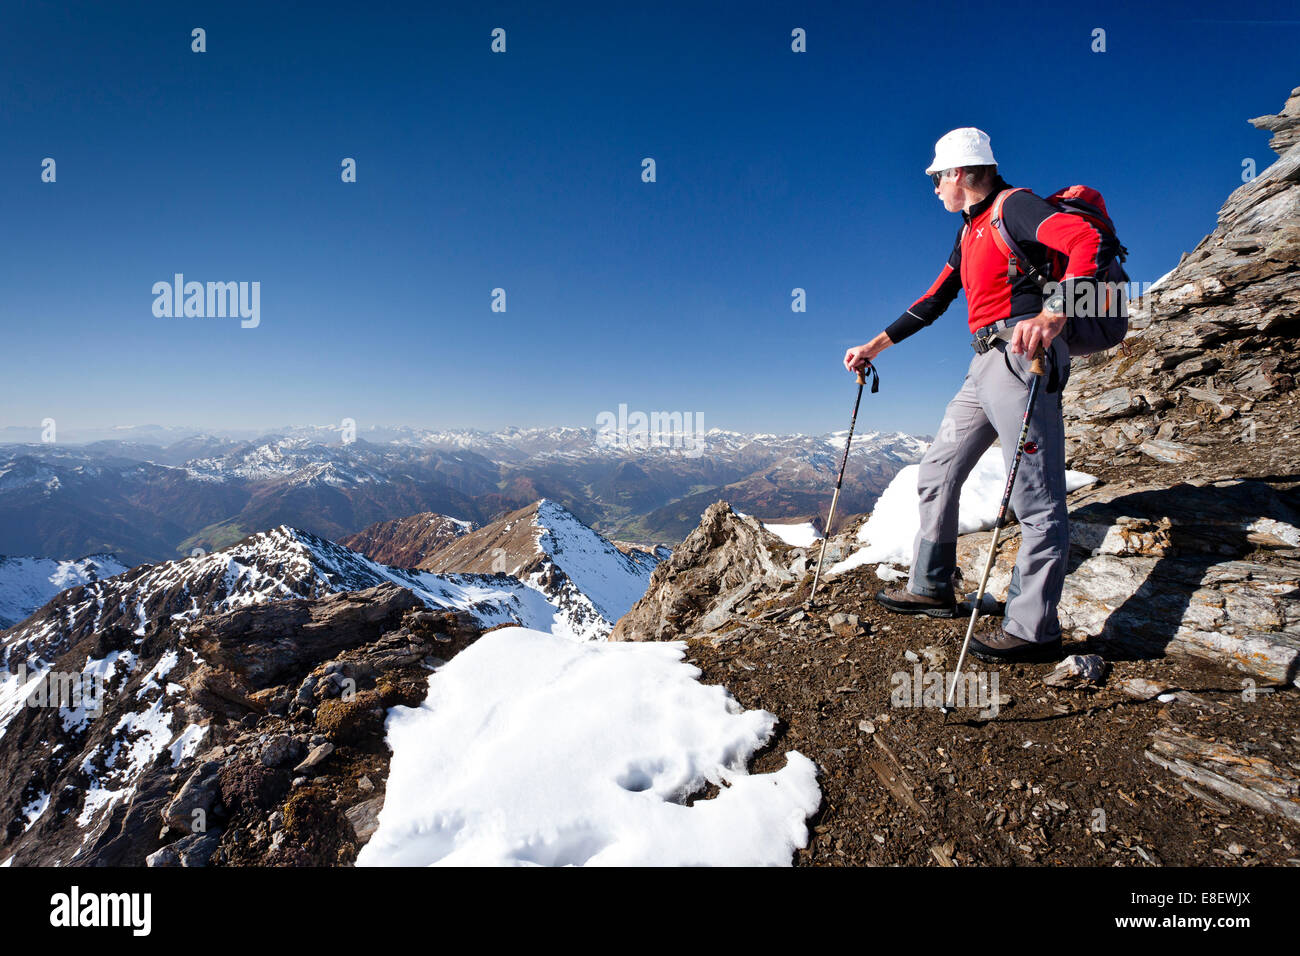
column 979, row 266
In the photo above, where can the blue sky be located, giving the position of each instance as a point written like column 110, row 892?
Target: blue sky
column 522, row 171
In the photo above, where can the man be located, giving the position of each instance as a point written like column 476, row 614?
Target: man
column 1009, row 321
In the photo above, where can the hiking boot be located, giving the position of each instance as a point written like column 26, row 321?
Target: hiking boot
column 1006, row 648
column 903, row 601
column 989, row 607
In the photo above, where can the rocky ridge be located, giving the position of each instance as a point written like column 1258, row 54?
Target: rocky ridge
column 406, row 542
column 1205, row 381
column 546, row 546
column 1182, row 631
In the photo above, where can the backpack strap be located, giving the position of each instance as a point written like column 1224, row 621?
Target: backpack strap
column 1097, row 216
column 1017, row 261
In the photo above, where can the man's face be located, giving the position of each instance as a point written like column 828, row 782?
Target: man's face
column 947, row 190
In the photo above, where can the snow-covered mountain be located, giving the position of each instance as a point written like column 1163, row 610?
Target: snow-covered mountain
column 26, row 583
column 271, row 448
column 549, row 549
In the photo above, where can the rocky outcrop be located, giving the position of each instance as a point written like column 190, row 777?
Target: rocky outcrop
column 406, row 542
column 1204, row 386
column 244, row 737
column 1285, row 125
column 725, row 566
column 265, row 642
column 1201, row 569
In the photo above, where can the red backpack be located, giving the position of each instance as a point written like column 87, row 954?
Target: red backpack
column 1088, row 330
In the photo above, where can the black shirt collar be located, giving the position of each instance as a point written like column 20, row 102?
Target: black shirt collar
column 999, row 184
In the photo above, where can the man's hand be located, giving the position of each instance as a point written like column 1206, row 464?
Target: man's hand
column 1027, row 336
column 855, row 359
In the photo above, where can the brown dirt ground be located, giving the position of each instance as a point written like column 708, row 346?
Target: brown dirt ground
column 1022, row 788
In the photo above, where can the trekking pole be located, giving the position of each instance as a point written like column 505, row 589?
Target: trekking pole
column 875, row 387
column 1036, row 367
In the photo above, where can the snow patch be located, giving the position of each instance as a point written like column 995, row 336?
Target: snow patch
column 14, row 693
column 890, row 533
column 161, row 669
column 536, row 750
column 1161, row 281
column 797, row 535
column 187, row 743
column 34, row 809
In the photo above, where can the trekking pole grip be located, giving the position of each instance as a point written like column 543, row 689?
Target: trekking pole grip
column 1037, row 365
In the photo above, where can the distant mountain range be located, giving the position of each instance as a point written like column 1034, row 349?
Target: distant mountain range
column 154, row 500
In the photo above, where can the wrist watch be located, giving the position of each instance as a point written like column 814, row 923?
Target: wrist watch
column 1055, row 303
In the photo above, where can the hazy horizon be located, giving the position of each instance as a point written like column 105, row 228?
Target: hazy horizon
column 178, row 433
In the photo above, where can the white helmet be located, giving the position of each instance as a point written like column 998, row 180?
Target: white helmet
column 967, row 146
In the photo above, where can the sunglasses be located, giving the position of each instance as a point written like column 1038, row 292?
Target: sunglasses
column 935, row 177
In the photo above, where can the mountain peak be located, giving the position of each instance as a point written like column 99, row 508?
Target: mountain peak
column 547, row 545
column 406, row 542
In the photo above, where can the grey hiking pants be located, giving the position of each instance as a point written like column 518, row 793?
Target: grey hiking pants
column 991, row 404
